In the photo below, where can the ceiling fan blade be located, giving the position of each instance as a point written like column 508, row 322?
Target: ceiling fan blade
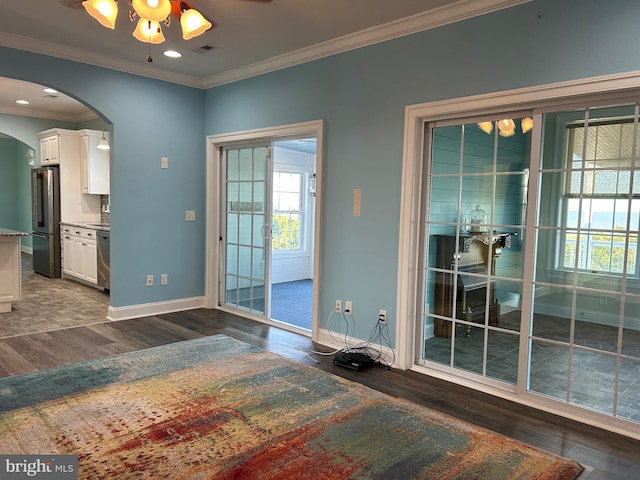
column 72, row 3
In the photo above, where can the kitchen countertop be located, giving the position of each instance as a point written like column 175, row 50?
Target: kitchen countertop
column 92, row 226
column 5, row 232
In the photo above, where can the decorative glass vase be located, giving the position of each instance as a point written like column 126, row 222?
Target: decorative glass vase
column 478, row 220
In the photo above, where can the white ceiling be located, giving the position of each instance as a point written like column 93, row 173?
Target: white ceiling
column 250, row 37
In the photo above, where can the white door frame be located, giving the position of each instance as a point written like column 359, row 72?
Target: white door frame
column 536, row 98
column 312, row 128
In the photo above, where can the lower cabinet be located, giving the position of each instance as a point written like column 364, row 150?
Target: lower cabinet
column 80, row 253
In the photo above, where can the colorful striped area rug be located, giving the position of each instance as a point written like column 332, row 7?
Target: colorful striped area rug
column 218, row 408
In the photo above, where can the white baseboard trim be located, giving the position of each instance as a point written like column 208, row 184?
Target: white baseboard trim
column 337, row 341
column 150, row 309
column 25, row 249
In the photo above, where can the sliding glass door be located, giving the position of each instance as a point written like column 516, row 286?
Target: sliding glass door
column 246, row 228
column 585, row 333
column 474, row 249
column 531, row 278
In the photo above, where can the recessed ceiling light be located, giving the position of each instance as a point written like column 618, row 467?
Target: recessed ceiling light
column 172, row 54
column 22, row 102
column 49, row 90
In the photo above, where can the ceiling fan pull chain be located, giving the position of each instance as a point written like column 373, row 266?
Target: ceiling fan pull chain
column 150, row 58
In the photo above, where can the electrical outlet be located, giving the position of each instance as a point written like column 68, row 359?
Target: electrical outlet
column 190, row 215
column 338, row 306
column 149, row 280
column 348, row 307
column 164, row 279
column 164, row 162
column 382, row 316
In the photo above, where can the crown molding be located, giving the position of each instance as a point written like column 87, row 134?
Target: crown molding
column 455, row 12
column 56, row 50
column 447, row 14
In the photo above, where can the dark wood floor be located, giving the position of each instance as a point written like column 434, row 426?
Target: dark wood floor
column 612, row 456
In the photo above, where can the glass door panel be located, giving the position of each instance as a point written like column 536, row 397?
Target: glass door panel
column 246, row 229
column 474, row 249
column 584, row 311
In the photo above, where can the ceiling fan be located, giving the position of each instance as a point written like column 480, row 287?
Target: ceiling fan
column 150, row 14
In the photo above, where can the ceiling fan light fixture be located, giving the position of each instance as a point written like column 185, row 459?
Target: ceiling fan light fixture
column 526, row 124
column 104, row 11
column 148, row 31
column 193, row 24
column 506, row 127
column 486, row 127
column 154, row 10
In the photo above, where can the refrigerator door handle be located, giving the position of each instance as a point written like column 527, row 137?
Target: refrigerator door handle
column 38, row 207
column 39, row 235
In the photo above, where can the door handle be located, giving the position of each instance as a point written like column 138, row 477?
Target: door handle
column 265, row 232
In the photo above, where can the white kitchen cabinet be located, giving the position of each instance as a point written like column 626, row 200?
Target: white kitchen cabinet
column 50, row 150
column 90, row 261
column 94, row 163
column 68, row 259
column 80, row 253
column 74, row 206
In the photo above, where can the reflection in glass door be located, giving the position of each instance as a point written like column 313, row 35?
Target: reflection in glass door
column 584, row 338
column 246, row 228
column 473, row 248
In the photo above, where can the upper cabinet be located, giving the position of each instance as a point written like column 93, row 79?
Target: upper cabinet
column 50, row 150
column 75, row 205
column 94, row 163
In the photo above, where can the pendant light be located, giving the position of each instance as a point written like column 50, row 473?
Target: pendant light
column 104, row 11
column 103, row 144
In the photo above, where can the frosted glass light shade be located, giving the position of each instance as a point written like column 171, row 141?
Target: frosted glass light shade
column 486, row 127
column 155, row 10
column 526, row 124
column 104, row 11
column 148, row 31
column 103, row 144
column 507, row 127
column 193, row 24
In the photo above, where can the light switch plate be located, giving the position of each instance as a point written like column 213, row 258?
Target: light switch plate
column 190, row 215
column 357, row 195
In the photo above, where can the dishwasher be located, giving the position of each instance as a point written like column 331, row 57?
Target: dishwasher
column 104, row 269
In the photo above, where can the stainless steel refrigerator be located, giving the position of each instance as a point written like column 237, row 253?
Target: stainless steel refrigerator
column 45, row 207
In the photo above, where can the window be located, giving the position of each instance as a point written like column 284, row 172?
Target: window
column 287, row 211
column 602, row 194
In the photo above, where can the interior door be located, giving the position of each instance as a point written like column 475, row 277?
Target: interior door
column 246, row 228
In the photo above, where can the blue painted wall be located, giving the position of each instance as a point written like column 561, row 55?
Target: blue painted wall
column 151, row 119
column 361, row 94
column 8, row 183
column 16, row 201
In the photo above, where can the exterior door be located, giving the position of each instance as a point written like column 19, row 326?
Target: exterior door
column 246, row 228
